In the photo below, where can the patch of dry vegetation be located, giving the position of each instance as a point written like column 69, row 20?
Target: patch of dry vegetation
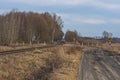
column 60, row 63
column 114, row 47
column 20, row 46
column 4, row 48
column 70, row 64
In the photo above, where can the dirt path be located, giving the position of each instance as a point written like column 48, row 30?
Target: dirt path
column 100, row 64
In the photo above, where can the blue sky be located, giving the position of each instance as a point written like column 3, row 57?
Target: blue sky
column 88, row 17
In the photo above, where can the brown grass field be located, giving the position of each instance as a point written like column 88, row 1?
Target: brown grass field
column 113, row 47
column 58, row 63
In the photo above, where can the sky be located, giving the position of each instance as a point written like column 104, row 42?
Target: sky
column 87, row 17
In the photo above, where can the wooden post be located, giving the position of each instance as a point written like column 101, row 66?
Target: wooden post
column 82, row 44
column 88, row 44
column 30, row 43
column 23, row 43
column 16, row 43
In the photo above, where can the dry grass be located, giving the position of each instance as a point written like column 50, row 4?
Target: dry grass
column 14, row 47
column 114, row 47
column 60, row 63
column 4, row 48
column 15, row 67
column 70, row 65
column 7, row 48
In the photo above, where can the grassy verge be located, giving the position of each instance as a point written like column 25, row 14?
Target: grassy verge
column 60, row 63
column 114, row 47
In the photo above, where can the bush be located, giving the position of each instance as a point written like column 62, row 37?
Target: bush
column 52, row 63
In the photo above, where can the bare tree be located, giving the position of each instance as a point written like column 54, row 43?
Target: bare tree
column 18, row 26
column 71, row 36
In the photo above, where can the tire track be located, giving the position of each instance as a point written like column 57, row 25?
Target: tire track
column 100, row 64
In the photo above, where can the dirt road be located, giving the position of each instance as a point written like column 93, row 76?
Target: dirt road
column 99, row 64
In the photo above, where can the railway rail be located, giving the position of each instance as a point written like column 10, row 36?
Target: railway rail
column 24, row 50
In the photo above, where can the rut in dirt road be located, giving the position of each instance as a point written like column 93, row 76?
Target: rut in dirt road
column 100, row 64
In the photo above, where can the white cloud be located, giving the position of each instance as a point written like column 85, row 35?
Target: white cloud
column 78, row 19
column 92, row 21
column 70, row 3
column 105, row 5
column 49, row 2
column 115, row 21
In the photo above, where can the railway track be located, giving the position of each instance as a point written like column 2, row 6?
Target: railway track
column 24, row 50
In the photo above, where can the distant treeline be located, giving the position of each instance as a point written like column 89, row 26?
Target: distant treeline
column 18, row 27
column 114, row 40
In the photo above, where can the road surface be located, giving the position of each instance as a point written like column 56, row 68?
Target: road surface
column 99, row 64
